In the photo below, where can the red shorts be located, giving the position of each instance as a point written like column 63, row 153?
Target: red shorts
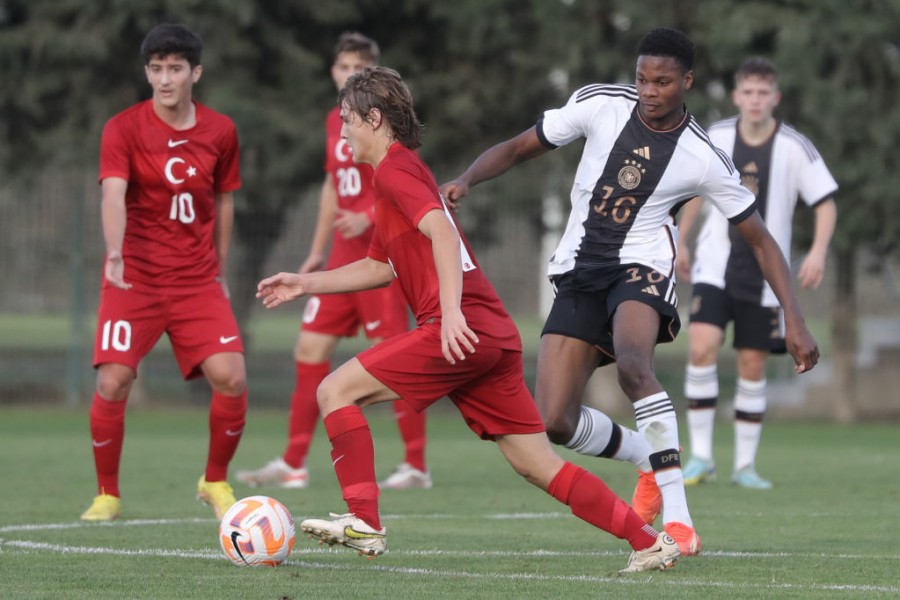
column 382, row 313
column 488, row 387
column 199, row 325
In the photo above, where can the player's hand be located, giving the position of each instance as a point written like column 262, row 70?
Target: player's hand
column 802, row 347
column 456, row 337
column 313, row 262
column 278, row 289
column 114, row 270
column 453, row 192
column 351, row 224
column 683, row 264
column 812, row 270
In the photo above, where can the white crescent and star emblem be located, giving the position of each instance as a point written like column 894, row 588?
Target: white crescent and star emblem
column 342, row 151
column 169, row 170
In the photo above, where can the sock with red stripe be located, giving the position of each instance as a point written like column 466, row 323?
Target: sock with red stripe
column 304, row 411
column 227, row 416
column 592, row 501
column 353, row 456
column 107, row 433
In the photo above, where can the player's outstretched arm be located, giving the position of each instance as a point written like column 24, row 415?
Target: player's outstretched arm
column 364, row 274
column 493, row 162
column 799, row 340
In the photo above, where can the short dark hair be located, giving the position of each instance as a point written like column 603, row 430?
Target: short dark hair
column 353, row 41
column 756, row 66
column 384, row 89
column 172, row 39
column 668, row 42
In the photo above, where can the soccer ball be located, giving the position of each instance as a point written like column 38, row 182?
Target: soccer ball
column 256, row 531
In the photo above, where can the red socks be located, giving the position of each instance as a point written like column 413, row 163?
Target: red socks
column 304, row 411
column 412, row 429
column 107, row 432
column 353, row 456
column 227, row 415
column 591, row 500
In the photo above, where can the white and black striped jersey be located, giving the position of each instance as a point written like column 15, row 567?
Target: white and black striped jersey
column 632, row 180
column 780, row 171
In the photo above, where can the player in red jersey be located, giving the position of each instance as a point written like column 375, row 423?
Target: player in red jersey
column 465, row 345
column 168, row 172
column 346, row 214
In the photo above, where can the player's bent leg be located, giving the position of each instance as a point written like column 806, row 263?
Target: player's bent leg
column 341, row 396
column 351, row 384
column 532, row 456
column 564, row 366
column 635, row 332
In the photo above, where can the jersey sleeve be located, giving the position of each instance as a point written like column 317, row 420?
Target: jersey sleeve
column 560, row 126
column 228, row 175
column 376, row 249
column 413, row 196
column 114, row 152
column 722, row 187
column 815, row 182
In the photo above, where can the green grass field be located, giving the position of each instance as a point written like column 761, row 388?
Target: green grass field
column 829, row 529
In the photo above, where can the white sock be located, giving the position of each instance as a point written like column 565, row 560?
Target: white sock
column 597, row 435
column 701, row 388
column 658, row 424
column 749, row 408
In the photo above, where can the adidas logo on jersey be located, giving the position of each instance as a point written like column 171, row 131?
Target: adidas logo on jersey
column 643, row 152
column 651, row 289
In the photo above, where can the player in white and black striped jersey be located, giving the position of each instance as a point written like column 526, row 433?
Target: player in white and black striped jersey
column 779, row 165
column 644, row 156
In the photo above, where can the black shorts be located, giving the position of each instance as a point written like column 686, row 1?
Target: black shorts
column 755, row 327
column 586, row 300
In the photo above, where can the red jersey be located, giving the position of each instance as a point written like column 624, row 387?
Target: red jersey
column 355, row 193
column 405, row 191
column 173, row 177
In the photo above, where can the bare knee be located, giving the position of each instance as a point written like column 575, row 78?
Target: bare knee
column 531, row 457
column 636, row 376
column 560, row 410
column 230, row 384
column 226, row 373
column 705, row 341
column 329, row 395
column 560, row 428
column 114, row 383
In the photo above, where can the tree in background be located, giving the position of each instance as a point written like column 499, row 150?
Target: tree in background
column 481, row 71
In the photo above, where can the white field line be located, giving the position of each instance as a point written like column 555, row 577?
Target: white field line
column 32, row 546
column 641, row 580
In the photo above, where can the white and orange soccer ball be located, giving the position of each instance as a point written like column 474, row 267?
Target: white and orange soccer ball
column 257, row 531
